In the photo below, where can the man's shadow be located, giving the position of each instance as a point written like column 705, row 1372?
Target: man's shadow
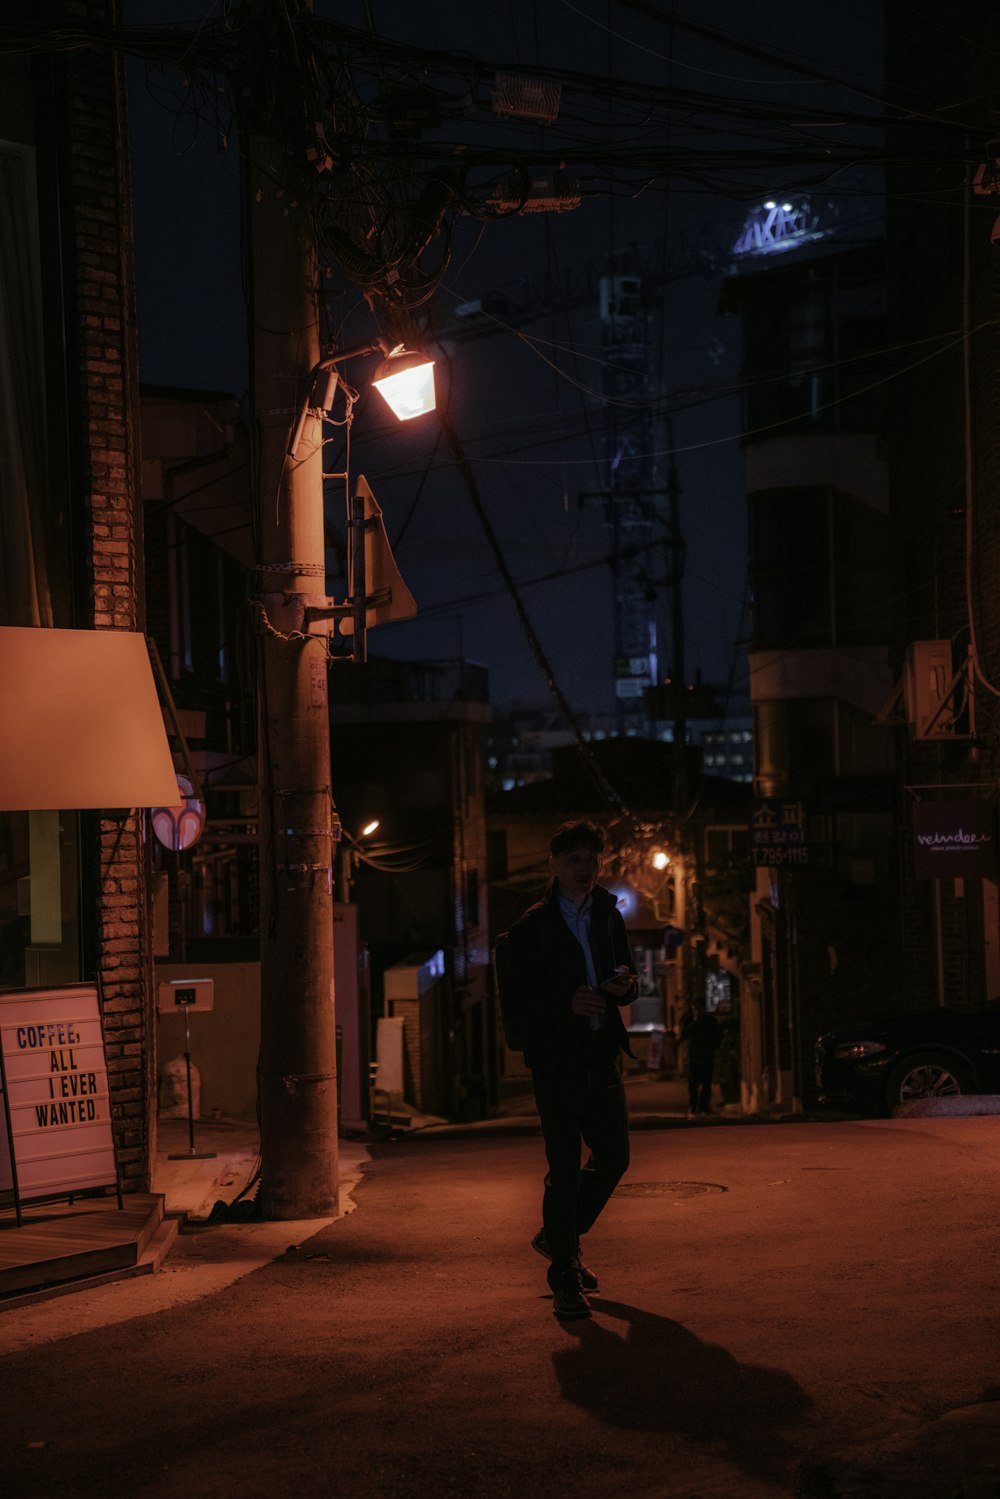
column 660, row 1377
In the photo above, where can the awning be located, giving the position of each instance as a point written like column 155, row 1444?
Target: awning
column 80, row 722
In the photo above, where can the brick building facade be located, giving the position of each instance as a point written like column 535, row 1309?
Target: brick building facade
column 69, row 511
column 107, row 392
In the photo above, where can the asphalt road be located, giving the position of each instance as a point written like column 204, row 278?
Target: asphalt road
column 785, row 1309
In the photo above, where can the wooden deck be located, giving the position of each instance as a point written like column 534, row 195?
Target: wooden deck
column 59, row 1245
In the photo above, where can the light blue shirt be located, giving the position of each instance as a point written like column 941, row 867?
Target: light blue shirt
column 577, row 918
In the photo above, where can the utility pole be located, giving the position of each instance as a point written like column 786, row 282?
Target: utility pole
column 298, row 1085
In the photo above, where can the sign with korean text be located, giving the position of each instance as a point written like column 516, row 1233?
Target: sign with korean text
column 55, row 1084
column 955, row 840
column 778, row 834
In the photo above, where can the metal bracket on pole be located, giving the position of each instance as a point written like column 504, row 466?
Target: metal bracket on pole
column 303, row 613
column 322, row 614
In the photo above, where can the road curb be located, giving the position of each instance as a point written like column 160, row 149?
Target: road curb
column 965, row 1106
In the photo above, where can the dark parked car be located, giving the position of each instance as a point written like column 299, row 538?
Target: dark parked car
column 879, row 1064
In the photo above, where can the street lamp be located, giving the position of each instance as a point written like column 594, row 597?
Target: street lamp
column 404, row 380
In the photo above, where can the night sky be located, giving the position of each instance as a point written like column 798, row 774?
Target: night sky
column 533, row 431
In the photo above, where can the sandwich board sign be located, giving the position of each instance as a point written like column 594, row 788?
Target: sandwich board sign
column 58, row 1139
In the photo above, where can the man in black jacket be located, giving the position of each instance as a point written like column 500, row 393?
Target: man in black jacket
column 566, row 970
column 701, row 1033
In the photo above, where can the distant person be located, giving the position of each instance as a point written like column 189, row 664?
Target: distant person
column 565, row 968
column 701, row 1033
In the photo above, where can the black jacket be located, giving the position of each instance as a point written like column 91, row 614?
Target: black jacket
column 702, row 1034
column 542, row 967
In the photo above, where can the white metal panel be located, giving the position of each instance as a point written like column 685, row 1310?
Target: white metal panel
column 80, row 722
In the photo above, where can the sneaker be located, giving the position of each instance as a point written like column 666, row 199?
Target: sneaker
column 568, row 1300
column 588, row 1279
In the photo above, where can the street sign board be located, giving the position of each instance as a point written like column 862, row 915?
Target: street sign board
column 778, row 834
column 54, row 1079
column 955, row 840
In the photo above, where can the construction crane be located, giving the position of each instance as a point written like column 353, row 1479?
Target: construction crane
column 641, row 513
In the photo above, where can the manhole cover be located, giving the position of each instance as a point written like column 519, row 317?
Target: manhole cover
column 666, row 1189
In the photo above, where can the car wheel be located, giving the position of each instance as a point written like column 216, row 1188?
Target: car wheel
column 927, row 1074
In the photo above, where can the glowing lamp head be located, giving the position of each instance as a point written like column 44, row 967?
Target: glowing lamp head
column 660, row 860
column 370, row 827
column 406, row 383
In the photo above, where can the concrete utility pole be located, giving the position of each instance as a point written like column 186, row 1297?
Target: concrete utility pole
column 298, row 1085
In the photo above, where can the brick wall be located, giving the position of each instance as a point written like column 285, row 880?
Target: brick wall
column 101, row 310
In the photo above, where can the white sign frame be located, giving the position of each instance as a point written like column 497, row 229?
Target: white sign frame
column 56, row 1095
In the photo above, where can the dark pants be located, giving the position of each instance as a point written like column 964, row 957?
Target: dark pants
column 700, row 1086
column 584, row 1102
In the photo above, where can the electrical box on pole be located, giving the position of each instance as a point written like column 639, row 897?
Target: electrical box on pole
column 937, row 694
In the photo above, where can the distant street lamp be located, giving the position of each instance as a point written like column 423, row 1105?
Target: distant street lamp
column 349, row 856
